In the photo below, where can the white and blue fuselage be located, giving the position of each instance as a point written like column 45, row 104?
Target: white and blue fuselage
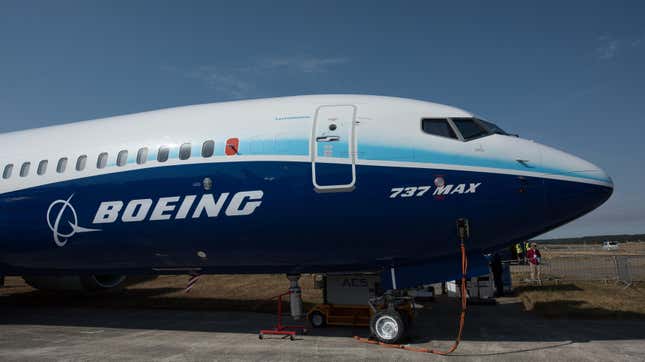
column 288, row 185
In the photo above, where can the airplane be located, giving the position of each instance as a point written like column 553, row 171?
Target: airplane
column 292, row 185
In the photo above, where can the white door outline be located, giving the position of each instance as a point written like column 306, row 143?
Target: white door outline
column 315, row 140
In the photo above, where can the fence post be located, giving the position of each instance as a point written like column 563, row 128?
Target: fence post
column 623, row 274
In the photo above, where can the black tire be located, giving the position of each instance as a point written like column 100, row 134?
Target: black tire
column 317, row 320
column 388, row 327
column 407, row 321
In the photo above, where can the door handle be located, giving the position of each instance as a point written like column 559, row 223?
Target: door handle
column 328, row 139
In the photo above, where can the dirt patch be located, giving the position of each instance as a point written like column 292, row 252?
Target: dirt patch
column 557, row 250
column 579, row 300
column 212, row 292
column 584, row 300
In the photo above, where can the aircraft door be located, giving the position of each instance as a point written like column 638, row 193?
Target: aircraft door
column 333, row 148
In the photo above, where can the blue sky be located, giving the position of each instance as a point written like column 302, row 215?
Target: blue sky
column 567, row 74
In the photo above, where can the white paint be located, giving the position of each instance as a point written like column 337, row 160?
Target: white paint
column 207, row 204
column 137, row 210
column 384, row 121
column 472, row 188
column 108, row 212
column 185, row 207
column 244, row 203
column 442, row 190
column 164, row 207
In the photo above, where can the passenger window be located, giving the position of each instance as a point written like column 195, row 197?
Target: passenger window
column 469, row 128
column 438, row 127
column 142, row 156
column 62, row 165
column 102, row 161
column 162, row 156
column 42, row 167
column 208, row 149
column 122, row 158
column 24, row 170
column 81, row 163
column 8, row 170
column 184, row 151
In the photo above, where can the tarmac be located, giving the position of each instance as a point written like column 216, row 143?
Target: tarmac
column 502, row 332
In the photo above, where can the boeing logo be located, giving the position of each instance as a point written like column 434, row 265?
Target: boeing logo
column 60, row 215
column 179, row 208
column 63, row 219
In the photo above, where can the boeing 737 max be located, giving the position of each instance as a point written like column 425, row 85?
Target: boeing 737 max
column 306, row 184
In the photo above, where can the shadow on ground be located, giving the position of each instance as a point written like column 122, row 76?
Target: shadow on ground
column 149, row 298
column 144, row 309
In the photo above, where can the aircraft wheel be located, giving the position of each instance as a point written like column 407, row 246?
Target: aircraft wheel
column 317, row 320
column 407, row 320
column 387, row 326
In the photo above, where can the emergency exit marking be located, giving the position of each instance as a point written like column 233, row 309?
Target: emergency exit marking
column 232, row 146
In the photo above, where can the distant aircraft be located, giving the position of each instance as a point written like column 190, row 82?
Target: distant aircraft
column 306, row 184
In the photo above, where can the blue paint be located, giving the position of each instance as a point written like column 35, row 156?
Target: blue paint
column 366, row 151
column 294, row 230
column 440, row 270
column 385, row 153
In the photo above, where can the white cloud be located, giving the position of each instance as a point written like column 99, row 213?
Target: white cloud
column 241, row 81
column 299, row 63
column 224, row 82
column 608, row 47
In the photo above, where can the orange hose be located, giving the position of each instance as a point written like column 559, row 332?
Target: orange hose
column 462, row 317
column 464, row 303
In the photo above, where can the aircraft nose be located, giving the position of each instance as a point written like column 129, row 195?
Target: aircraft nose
column 574, row 185
column 561, row 163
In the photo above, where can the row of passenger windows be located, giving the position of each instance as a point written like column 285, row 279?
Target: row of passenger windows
column 163, row 154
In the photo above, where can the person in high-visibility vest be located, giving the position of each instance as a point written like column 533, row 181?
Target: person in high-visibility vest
column 520, row 252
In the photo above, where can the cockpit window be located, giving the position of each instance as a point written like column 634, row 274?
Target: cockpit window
column 492, row 128
column 469, row 128
column 438, row 127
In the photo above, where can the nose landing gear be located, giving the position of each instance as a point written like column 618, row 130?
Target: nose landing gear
column 388, row 327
